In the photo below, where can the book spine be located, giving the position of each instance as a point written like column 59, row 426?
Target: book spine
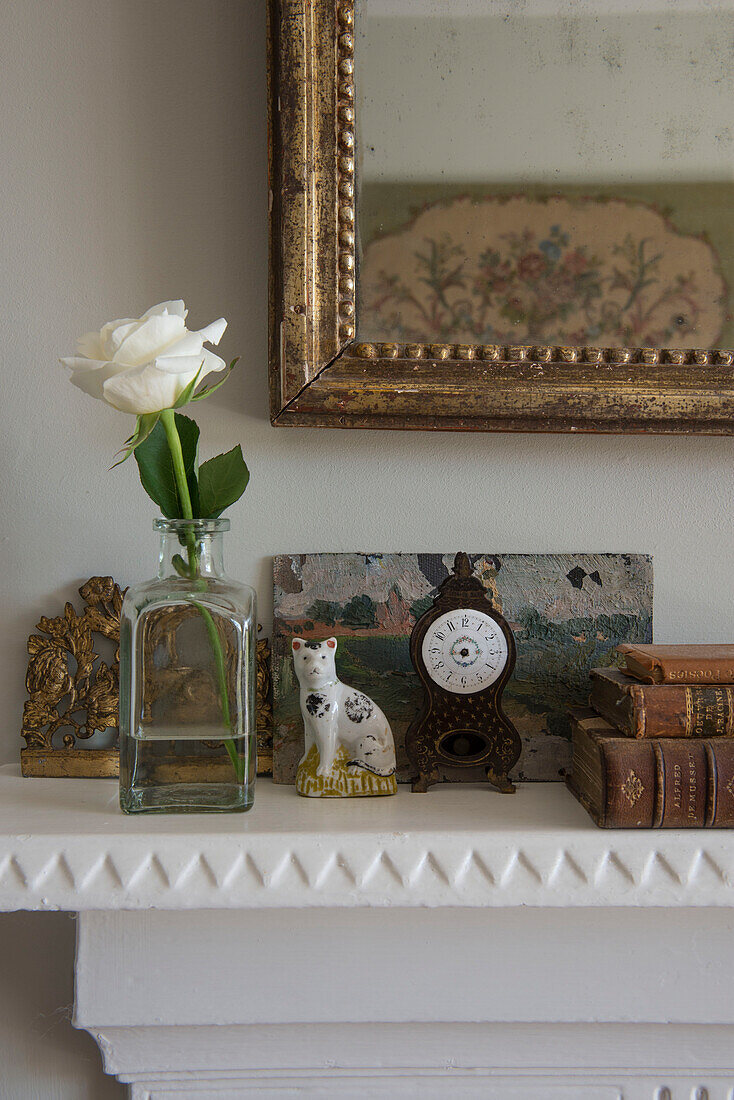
column 655, row 710
column 679, row 664
column 709, row 674
column 709, row 712
column 668, row 783
column 720, row 765
column 682, row 784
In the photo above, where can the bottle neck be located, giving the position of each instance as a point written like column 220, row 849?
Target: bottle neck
column 191, row 549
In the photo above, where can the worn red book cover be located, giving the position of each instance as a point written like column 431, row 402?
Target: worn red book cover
column 679, row 664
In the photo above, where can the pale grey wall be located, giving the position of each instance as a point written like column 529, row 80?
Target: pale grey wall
column 133, row 169
column 42, row 1057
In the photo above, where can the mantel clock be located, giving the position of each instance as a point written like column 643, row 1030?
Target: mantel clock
column 464, row 652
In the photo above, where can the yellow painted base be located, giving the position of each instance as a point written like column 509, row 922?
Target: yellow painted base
column 342, row 781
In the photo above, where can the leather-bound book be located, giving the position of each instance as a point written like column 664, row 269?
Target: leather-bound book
column 679, row 664
column 662, row 710
column 668, row 783
column 720, row 785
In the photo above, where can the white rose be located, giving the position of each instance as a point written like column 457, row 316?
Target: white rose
column 143, row 366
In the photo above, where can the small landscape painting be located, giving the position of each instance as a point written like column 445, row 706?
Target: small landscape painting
column 567, row 612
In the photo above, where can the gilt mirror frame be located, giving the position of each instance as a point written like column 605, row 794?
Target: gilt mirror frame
column 321, row 376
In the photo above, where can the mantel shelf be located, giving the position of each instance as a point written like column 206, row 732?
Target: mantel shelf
column 65, row 845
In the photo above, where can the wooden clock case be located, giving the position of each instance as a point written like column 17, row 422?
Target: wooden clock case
column 461, row 738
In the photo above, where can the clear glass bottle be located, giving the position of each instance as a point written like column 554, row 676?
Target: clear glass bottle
column 188, row 642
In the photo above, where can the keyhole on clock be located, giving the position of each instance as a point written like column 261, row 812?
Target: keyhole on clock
column 464, row 652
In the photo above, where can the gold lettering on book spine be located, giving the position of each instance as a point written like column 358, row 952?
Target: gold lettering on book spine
column 691, row 787
column 709, row 711
column 720, row 676
column 678, row 786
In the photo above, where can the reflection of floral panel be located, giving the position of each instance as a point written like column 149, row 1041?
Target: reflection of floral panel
column 600, row 272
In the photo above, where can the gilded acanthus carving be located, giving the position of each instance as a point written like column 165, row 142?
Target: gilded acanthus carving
column 188, row 688
column 70, row 686
column 264, row 696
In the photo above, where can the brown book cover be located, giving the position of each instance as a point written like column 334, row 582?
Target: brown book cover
column 720, row 795
column 662, row 710
column 679, row 664
column 669, row 783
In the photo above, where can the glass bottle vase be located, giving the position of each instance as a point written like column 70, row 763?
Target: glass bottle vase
column 188, row 641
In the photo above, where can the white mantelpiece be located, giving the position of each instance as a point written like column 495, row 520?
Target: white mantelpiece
column 439, row 945
column 65, row 845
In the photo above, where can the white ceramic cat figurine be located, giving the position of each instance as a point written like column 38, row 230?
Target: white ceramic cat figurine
column 349, row 744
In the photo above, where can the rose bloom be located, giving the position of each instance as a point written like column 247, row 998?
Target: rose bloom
column 102, row 702
column 48, row 671
column 97, row 590
column 575, row 262
column 143, row 365
column 531, row 265
column 495, row 278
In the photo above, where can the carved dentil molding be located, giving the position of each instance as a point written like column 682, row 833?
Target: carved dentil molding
column 65, row 845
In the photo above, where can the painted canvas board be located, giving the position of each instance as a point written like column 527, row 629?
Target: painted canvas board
column 567, row 611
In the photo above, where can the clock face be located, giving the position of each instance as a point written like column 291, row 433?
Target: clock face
column 464, row 651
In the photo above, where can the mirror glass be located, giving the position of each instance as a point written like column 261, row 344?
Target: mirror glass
column 546, row 171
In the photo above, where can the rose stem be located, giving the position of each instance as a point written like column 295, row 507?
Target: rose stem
column 168, row 420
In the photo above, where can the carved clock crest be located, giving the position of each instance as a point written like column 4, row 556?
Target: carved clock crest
column 464, row 652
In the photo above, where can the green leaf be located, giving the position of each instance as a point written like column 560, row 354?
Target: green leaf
column 222, row 481
column 188, row 432
column 144, row 425
column 210, row 390
column 185, row 396
column 155, row 466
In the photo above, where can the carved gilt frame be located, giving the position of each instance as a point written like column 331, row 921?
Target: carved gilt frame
column 321, row 377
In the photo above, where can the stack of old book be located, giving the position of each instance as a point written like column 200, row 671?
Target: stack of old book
column 656, row 747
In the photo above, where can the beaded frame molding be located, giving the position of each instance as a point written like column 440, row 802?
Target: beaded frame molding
column 321, row 377
column 71, row 687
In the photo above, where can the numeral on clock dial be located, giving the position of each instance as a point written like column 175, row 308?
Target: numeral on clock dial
column 464, row 651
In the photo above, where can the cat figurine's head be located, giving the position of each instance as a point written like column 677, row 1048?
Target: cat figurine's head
column 314, row 661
